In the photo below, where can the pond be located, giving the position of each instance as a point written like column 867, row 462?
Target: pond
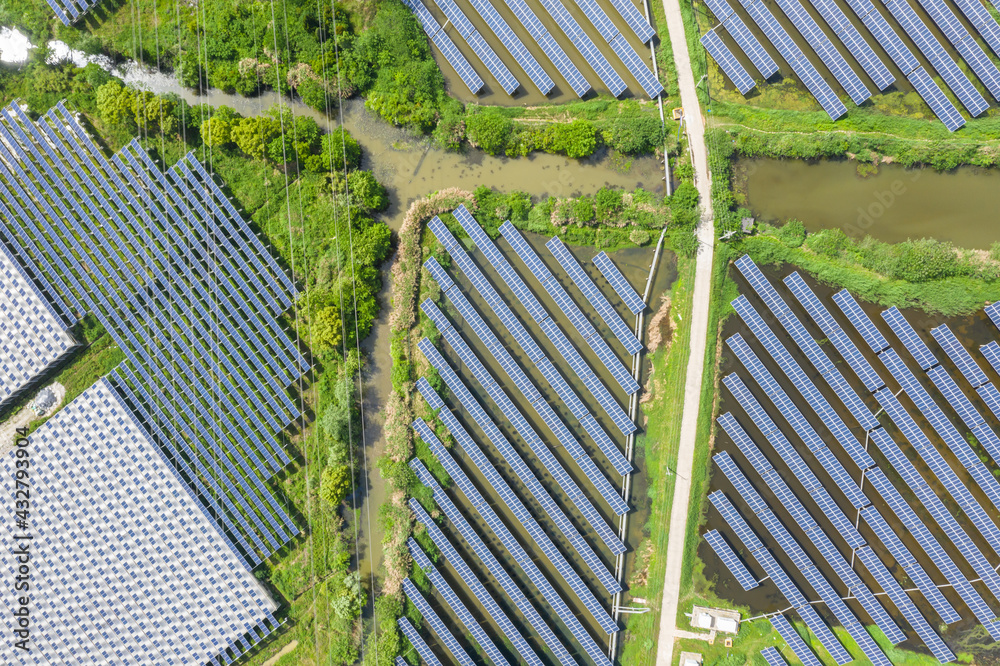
column 959, row 206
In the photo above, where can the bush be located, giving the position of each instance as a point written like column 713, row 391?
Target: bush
column 828, row 242
column 576, row 139
column 639, row 236
column 925, row 259
column 450, row 130
column 335, row 484
column 489, row 131
column 520, row 206
column 608, row 202
column 636, row 133
column 583, row 210
column 792, row 233
column 685, row 197
column 340, row 150
column 684, row 242
column 366, row 190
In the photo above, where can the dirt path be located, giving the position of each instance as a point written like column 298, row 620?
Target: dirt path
column 695, row 124
column 285, row 650
column 8, row 431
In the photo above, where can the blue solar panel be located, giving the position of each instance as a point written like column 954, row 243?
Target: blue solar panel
column 936, row 99
column 897, row 322
column 549, row 46
column 597, row 299
column 961, row 404
column 619, row 283
column 458, row 61
column 861, row 321
column 959, row 355
column 956, row 33
column 640, row 26
column 750, row 45
column 740, row 482
column 585, row 46
column 855, row 43
column 437, row 624
column 793, row 641
column 493, row 62
column 636, row 66
column 417, row 642
column 824, row 48
column 773, row 657
column 728, row 557
column 479, row 592
column 514, row 45
column 545, row 545
column 729, row 64
column 721, row 8
column 736, row 522
column 511, row 589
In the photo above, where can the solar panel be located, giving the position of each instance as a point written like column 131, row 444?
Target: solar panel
column 824, row 48
column 640, row 26
column 861, row 321
column 728, row 557
column 938, row 56
column 968, row 48
column 455, row 16
column 854, row 42
column 585, row 46
column 793, row 641
column 512, row 590
column 549, row 46
column 437, row 624
column 920, row 352
column 736, row 522
column 635, row 64
column 935, row 99
column 750, row 45
column 493, row 62
column 545, row 545
column 597, row 299
column 619, row 283
column 962, row 405
column 417, row 642
column 773, row 657
column 458, row 61
column 740, row 482
column 958, row 354
column 478, row 591
column 729, row 64
column 514, row 45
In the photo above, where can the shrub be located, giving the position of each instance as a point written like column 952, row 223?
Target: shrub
column 340, row 150
column 685, row 197
column 366, row 190
column 925, row 259
column 995, row 251
column 792, row 233
column 636, row 133
column 520, row 205
column 608, row 202
column 639, row 236
column 252, row 135
column 684, row 242
column 489, row 131
column 583, row 210
column 335, row 484
column 576, row 139
column 450, row 130
column 828, row 242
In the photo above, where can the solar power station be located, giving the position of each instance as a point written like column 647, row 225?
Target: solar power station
column 34, row 332
column 813, row 485
column 840, row 25
column 190, row 295
column 147, row 579
column 551, row 566
column 70, row 11
column 603, row 43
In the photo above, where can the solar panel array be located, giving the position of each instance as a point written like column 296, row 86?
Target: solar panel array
column 637, row 66
column 447, row 47
column 793, row 641
column 147, row 579
column 773, row 657
column 745, row 39
column 551, row 285
column 728, row 557
column 527, row 564
column 70, row 11
column 523, row 384
column 938, row 56
column 514, row 45
column 569, row 353
column 632, row 300
column 959, row 355
column 594, row 295
column 549, row 46
column 483, row 51
column 437, row 624
column 503, row 489
column 417, row 642
column 935, row 98
column 824, row 48
column 496, row 570
column 34, row 331
column 479, row 592
column 530, row 436
column 188, row 293
column 640, row 26
column 732, row 67
column 967, row 47
column 585, row 45
column 793, row 55
column 855, row 43
column 982, row 21
column 455, row 604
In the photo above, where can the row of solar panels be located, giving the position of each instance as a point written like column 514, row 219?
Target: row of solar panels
column 70, row 11
column 194, row 312
column 884, row 442
column 543, row 38
column 944, row 18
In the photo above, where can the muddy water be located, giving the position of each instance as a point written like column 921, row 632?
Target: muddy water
column 527, row 93
column 972, row 330
column 958, row 206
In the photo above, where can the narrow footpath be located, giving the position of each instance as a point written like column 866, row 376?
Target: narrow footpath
column 695, row 124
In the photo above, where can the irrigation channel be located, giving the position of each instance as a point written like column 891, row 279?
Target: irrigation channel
column 972, row 331
column 894, row 204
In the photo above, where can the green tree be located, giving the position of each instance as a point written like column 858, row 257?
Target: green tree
column 576, row 139
column 115, row 104
column 489, row 130
column 349, row 599
column 339, row 148
column 252, row 135
column 685, row 197
column 792, row 233
column 335, row 484
column 217, row 131
column 636, row 133
column 326, row 329
column 367, row 191
column 608, row 203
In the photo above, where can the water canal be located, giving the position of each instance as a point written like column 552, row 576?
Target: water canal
column 895, row 204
